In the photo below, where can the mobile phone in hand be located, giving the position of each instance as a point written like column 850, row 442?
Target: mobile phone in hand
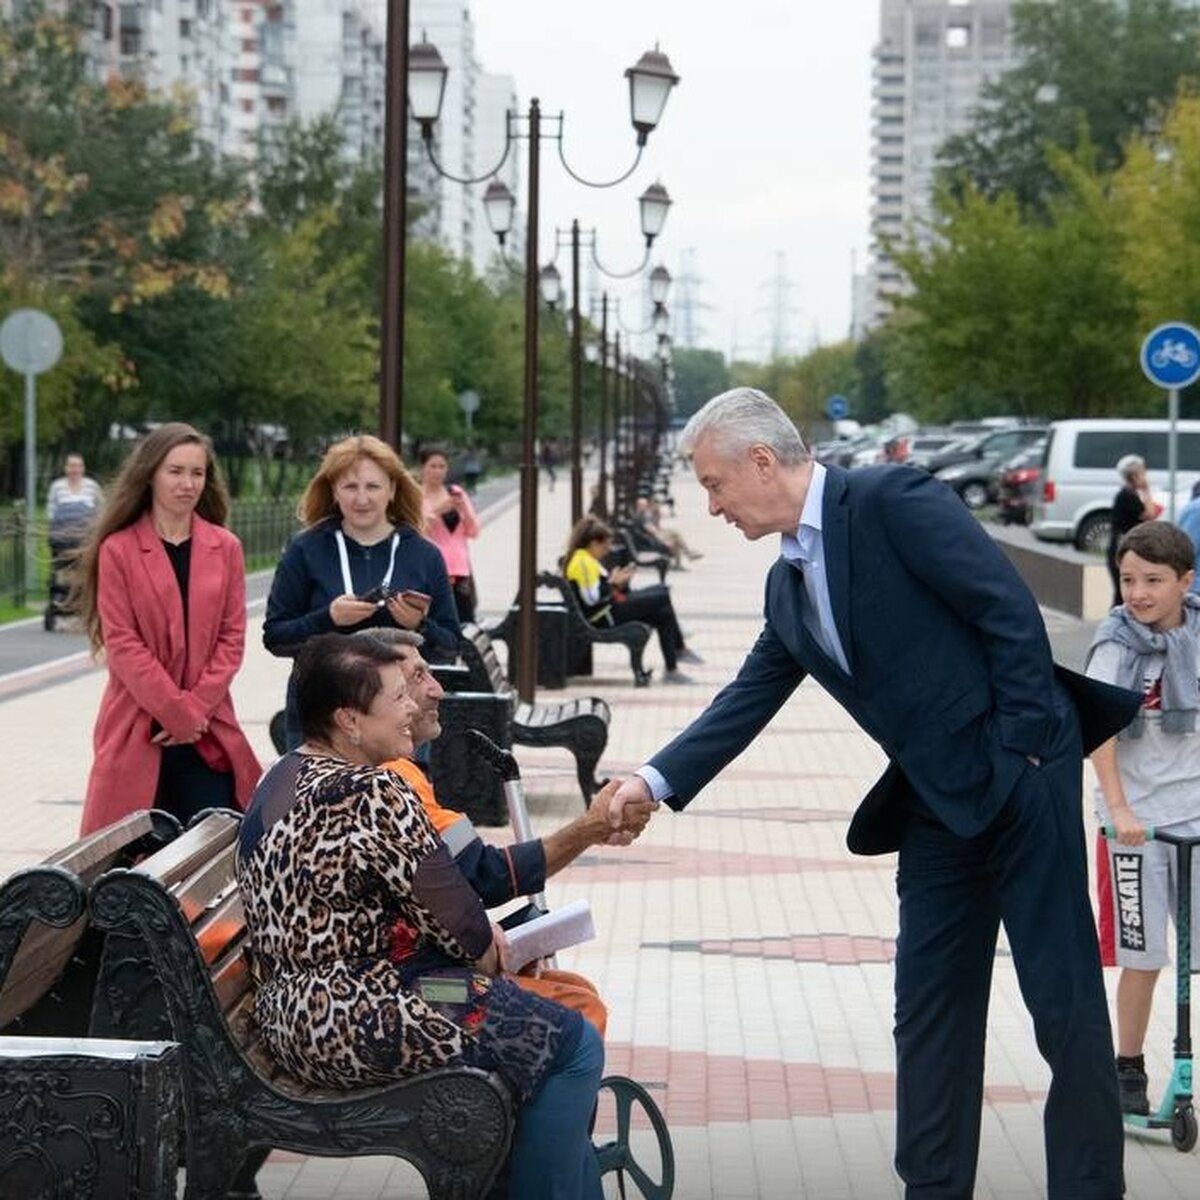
column 421, row 600
column 378, row 596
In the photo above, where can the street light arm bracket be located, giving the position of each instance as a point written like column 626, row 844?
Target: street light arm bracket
column 445, row 174
column 427, row 137
column 621, row 274
column 593, row 183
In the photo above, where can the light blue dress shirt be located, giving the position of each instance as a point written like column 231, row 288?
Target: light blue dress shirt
column 805, row 550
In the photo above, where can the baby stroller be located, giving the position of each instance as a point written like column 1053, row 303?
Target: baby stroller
column 67, row 531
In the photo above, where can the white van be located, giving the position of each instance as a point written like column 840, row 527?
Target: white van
column 1079, row 473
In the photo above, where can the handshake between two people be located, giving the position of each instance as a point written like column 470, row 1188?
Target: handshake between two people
column 625, row 808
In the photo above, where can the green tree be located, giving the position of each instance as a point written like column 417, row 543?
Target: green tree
column 1007, row 315
column 699, row 376
column 102, row 187
column 803, row 385
column 1092, row 72
column 1158, row 190
column 108, row 205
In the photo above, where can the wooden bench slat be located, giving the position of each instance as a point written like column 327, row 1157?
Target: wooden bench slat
column 98, row 851
column 231, row 978
column 207, row 886
column 182, row 857
column 37, row 966
column 221, row 927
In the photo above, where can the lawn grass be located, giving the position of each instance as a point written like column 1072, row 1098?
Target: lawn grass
column 10, row 612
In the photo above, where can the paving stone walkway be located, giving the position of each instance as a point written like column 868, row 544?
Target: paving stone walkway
column 744, row 954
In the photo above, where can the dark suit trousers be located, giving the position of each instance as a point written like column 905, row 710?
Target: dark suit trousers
column 1029, row 870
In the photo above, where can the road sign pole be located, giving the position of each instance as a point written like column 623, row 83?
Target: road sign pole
column 1170, row 358
column 1172, row 448
column 30, row 343
column 30, row 482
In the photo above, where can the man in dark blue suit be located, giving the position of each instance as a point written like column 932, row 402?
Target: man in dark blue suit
column 889, row 593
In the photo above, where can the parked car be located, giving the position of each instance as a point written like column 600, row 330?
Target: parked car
column 840, row 452
column 973, row 477
column 1019, row 483
column 923, row 446
column 995, row 446
column 1079, row 473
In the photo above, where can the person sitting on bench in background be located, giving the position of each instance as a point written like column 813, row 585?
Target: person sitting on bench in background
column 647, row 524
column 498, row 873
column 606, row 600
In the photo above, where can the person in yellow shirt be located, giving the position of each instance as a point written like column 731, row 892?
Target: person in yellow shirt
column 605, row 597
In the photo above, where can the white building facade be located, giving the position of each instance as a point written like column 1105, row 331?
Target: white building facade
column 932, row 59
column 247, row 67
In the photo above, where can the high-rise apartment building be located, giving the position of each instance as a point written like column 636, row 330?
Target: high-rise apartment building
column 246, row 67
column 932, row 59
column 447, row 24
column 495, row 97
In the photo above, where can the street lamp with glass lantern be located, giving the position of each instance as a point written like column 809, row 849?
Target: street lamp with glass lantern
column 653, row 205
column 650, row 82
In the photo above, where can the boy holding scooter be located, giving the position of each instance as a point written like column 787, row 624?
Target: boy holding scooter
column 1149, row 775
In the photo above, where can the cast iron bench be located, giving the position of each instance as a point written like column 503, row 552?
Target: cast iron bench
column 642, row 555
column 582, row 634
column 49, row 954
column 182, row 904
column 580, row 725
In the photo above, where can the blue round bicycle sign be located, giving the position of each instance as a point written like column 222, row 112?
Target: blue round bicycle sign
column 837, row 408
column 1171, row 355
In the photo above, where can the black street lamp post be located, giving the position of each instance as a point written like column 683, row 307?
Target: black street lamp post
column 628, row 442
column 650, row 82
column 653, row 205
column 395, row 208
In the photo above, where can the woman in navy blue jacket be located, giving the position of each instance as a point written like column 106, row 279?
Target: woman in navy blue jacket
column 360, row 560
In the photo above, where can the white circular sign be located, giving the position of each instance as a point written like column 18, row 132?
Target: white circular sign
column 30, row 341
column 468, row 401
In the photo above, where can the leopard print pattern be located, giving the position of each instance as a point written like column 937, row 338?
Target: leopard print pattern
column 322, row 889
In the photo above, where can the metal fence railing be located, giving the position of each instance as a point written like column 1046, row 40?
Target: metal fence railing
column 264, row 527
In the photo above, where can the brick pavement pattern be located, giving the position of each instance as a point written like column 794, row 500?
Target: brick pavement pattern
column 745, row 955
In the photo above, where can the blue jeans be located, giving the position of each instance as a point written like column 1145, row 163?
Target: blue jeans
column 552, row 1156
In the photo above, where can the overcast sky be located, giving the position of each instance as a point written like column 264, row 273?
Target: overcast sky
column 764, row 148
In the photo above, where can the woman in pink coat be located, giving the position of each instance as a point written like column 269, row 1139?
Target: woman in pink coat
column 161, row 589
column 450, row 521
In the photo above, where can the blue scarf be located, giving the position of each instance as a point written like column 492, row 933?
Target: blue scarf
column 1180, row 689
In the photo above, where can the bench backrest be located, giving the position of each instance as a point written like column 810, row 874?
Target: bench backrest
column 566, row 589
column 43, row 923
column 483, row 664
column 195, row 881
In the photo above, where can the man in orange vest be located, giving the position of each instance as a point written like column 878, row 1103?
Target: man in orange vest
column 499, row 873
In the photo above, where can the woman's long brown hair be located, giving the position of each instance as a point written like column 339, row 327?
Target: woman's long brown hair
column 131, row 495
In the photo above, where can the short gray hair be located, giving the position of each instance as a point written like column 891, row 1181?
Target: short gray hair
column 741, row 418
column 1130, row 465
column 386, row 635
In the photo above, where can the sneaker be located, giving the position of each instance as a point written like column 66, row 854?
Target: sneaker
column 676, row 677
column 1134, row 1099
column 690, row 656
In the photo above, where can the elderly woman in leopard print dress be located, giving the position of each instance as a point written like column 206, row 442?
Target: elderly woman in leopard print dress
column 335, row 855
